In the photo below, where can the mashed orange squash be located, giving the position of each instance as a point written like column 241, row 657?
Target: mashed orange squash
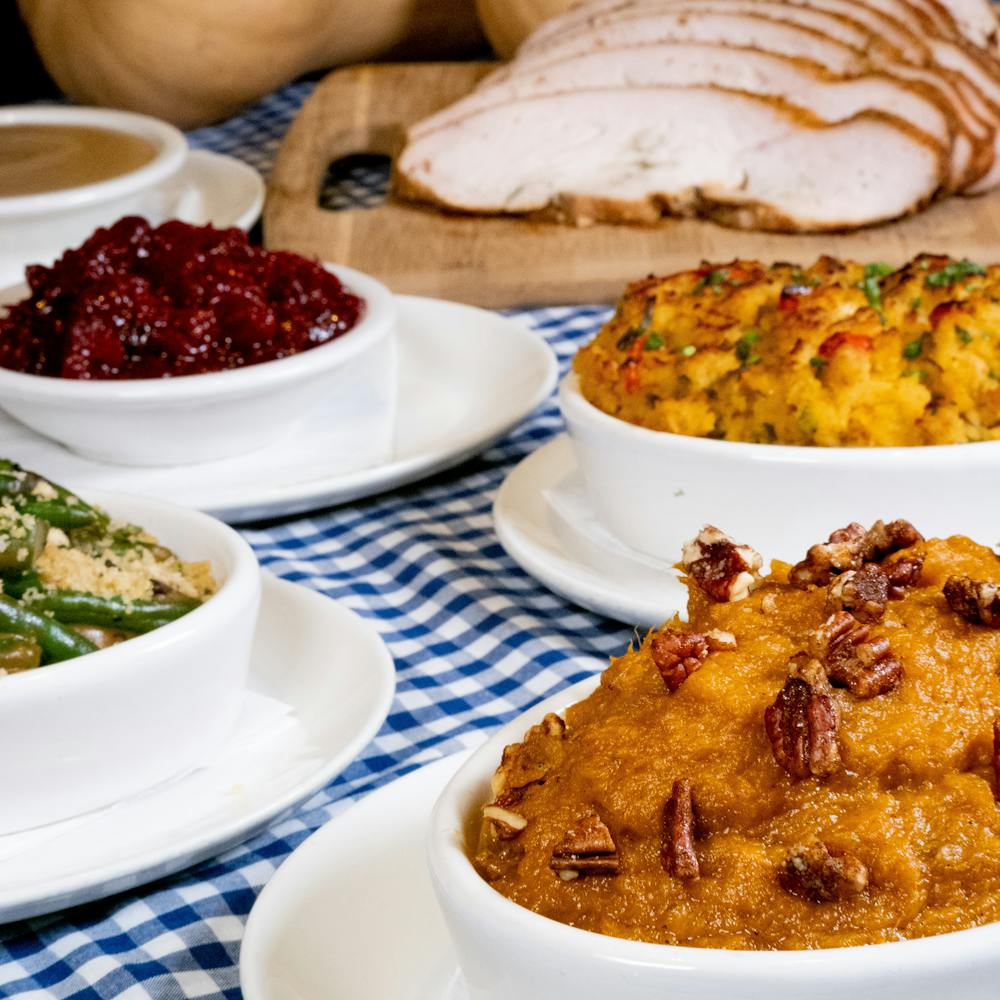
column 810, row 765
column 837, row 354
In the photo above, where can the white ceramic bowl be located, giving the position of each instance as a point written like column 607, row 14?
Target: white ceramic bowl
column 199, row 418
column 654, row 490
column 38, row 227
column 506, row 951
column 90, row 731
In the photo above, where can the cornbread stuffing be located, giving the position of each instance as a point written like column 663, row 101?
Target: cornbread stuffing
column 837, row 354
column 811, row 760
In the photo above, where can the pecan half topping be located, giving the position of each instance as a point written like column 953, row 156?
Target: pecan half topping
column 883, row 539
column 850, row 548
column 816, row 873
column 840, row 552
column 507, row 824
column 587, row 849
column 677, row 854
column 976, row 601
column 866, row 666
column 802, row 722
column 678, row 654
column 725, row 570
column 903, row 573
column 864, row 592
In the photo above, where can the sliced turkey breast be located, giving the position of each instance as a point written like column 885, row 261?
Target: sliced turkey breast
column 591, row 16
column 671, row 18
column 837, row 27
column 800, row 81
column 634, row 155
column 977, row 22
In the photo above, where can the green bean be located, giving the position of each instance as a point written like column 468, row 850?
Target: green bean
column 64, row 510
column 73, row 607
column 18, row 652
column 16, row 586
column 57, row 641
column 22, row 540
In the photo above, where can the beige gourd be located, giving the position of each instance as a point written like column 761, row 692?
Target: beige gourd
column 508, row 22
column 196, row 61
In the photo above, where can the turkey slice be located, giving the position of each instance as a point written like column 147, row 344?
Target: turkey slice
column 634, row 155
column 678, row 64
column 785, row 31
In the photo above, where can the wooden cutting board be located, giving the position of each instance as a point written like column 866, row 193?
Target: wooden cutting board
column 504, row 261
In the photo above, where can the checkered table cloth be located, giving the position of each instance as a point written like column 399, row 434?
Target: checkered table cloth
column 475, row 641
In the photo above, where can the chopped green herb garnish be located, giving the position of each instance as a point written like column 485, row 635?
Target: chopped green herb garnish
column 952, row 272
column 818, row 364
column 687, row 351
column 916, row 373
column 915, row 304
column 744, row 347
column 913, row 349
column 714, row 280
column 874, row 272
column 635, row 332
column 963, row 335
column 653, row 342
column 678, row 493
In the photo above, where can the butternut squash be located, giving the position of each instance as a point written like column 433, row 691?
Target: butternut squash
column 193, row 62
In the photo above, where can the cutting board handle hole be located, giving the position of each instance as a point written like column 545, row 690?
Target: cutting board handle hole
column 357, row 180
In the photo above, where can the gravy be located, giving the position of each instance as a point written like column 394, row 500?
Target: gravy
column 35, row 158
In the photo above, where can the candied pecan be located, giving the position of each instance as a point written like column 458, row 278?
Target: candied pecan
column 883, row 539
column 677, row 854
column 850, row 548
column 866, row 666
column 820, row 875
column 903, row 573
column 802, row 722
column 725, row 570
column 587, row 849
column 974, row 600
column 506, row 823
column 840, row 552
column 677, row 655
column 864, row 592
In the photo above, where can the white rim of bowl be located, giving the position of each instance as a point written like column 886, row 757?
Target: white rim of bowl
column 378, row 312
column 457, row 875
column 170, row 142
column 244, row 570
column 576, row 407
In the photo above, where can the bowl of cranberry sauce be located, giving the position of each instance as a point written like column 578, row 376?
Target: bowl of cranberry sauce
column 178, row 344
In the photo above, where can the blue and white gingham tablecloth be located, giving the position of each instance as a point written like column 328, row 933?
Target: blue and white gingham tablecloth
column 475, row 641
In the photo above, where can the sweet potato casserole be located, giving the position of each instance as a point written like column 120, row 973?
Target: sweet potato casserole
column 835, row 354
column 810, row 760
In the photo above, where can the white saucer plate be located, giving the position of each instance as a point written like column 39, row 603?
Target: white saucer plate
column 225, row 191
column 321, row 683
column 466, row 377
column 351, row 915
column 544, row 521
